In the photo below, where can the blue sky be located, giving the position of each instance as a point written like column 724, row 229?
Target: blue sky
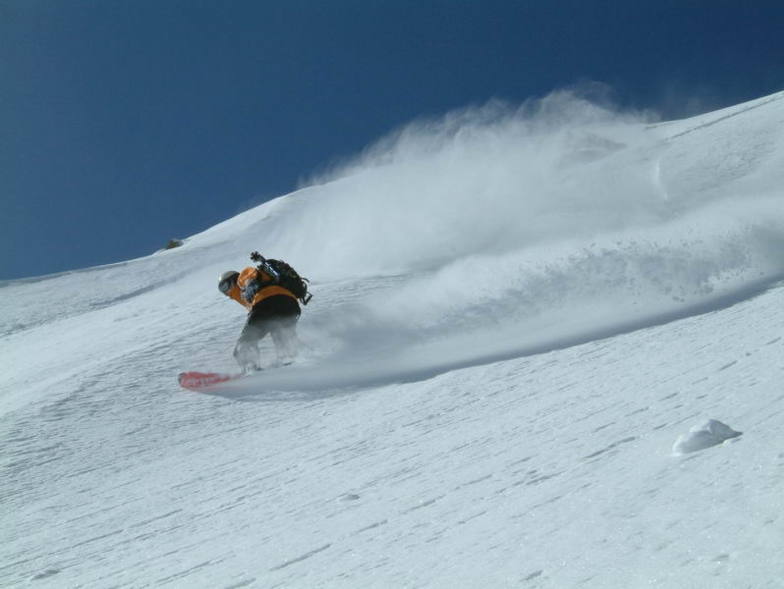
column 129, row 122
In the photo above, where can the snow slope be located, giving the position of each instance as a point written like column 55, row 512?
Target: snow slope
column 517, row 314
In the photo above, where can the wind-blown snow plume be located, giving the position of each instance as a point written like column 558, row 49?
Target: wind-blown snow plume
column 540, row 224
column 482, row 180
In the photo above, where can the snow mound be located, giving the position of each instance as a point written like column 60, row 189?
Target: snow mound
column 704, row 435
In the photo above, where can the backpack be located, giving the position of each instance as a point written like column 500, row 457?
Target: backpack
column 285, row 276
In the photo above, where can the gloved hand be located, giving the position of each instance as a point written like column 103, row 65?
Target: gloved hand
column 250, row 290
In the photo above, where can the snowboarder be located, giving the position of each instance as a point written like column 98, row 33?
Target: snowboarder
column 272, row 309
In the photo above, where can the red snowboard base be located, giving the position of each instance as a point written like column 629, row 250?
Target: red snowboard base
column 200, row 381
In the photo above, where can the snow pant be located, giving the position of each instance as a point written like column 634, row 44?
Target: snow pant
column 277, row 316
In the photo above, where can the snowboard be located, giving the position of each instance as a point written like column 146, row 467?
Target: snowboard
column 204, row 381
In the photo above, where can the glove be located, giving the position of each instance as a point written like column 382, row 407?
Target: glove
column 250, row 290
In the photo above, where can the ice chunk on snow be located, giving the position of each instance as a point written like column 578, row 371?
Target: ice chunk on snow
column 706, row 434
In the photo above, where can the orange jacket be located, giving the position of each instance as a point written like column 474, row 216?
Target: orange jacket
column 248, row 275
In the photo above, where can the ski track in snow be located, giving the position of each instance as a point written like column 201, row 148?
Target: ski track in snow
column 514, row 467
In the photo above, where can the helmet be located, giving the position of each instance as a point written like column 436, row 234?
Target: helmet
column 227, row 280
